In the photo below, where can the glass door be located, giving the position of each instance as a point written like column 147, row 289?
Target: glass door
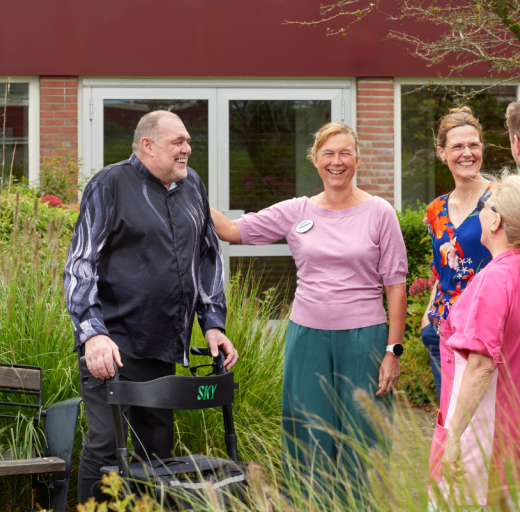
column 264, row 135
column 249, row 144
column 115, row 113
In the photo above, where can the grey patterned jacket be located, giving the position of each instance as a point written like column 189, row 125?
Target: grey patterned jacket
column 142, row 261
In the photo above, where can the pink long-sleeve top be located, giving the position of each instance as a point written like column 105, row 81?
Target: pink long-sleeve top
column 343, row 261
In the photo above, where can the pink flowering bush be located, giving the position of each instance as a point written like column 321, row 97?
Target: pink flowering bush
column 52, row 201
column 268, row 181
column 249, row 181
column 421, row 285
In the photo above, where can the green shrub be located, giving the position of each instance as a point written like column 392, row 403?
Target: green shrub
column 416, row 239
column 416, row 374
column 61, row 177
column 27, row 204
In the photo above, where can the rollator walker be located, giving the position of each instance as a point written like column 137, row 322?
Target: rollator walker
column 187, row 475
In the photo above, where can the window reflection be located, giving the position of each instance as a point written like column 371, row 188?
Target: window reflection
column 423, row 175
column 271, row 272
column 121, row 118
column 16, row 129
column 268, row 146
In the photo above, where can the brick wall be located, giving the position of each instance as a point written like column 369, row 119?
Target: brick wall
column 58, row 115
column 375, row 127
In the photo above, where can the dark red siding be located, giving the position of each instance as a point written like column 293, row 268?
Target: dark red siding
column 193, row 38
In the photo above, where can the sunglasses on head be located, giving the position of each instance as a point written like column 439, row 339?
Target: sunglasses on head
column 482, row 202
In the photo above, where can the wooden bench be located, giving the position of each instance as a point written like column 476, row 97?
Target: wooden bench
column 31, row 466
column 59, row 432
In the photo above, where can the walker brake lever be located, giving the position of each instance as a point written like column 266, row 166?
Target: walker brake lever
column 218, row 362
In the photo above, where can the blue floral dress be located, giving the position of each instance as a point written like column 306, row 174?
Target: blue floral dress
column 457, row 253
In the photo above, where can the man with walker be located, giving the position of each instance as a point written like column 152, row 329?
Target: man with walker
column 144, row 258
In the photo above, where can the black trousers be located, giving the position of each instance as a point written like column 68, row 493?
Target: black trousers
column 152, row 428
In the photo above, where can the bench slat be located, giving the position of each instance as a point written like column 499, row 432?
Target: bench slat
column 20, row 378
column 31, row 466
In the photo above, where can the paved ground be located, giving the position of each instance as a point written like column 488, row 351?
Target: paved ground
column 424, row 416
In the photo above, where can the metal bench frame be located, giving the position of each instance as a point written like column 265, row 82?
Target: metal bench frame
column 59, row 429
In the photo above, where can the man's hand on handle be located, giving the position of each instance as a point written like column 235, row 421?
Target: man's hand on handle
column 216, row 338
column 100, row 352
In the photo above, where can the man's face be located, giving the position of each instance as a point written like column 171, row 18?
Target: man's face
column 171, row 150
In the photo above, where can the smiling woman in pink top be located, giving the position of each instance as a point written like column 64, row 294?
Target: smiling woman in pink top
column 347, row 246
column 475, row 450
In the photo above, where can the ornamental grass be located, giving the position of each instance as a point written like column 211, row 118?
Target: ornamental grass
column 35, row 329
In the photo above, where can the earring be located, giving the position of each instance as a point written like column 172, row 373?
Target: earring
column 492, row 231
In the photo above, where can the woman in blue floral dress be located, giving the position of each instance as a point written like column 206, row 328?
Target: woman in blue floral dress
column 454, row 225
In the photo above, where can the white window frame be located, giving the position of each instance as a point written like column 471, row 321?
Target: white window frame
column 341, row 93
column 33, row 120
column 335, row 95
column 93, row 102
column 398, row 82
column 91, row 114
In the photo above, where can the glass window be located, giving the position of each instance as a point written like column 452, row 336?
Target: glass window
column 273, row 271
column 268, row 146
column 424, row 177
column 268, row 163
column 16, row 129
column 121, row 118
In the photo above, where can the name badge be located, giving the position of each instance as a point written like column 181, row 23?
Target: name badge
column 304, row 226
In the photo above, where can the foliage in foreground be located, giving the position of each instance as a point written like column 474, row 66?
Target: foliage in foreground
column 400, row 483
column 35, row 329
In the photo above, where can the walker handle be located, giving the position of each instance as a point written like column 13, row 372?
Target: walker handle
column 83, row 361
column 218, row 362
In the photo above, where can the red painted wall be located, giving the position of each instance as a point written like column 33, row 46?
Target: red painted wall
column 192, row 38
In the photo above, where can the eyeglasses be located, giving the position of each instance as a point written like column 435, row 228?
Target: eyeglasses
column 459, row 148
column 482, row 202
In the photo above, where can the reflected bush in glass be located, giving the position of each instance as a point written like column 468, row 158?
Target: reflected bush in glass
column 268, row 145
column 424, row 176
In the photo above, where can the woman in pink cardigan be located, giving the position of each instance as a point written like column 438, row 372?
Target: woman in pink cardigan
column 348, row 247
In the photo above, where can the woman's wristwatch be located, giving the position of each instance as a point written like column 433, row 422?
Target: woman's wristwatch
column 396, row 349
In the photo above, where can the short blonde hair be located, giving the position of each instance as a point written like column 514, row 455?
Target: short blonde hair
column 328, row 130
column 506, row 199
column 462, row 116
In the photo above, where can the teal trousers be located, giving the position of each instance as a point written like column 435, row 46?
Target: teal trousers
column 324, row 429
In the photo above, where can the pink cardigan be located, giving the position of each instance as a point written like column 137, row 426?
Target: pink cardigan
column 343, row 261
